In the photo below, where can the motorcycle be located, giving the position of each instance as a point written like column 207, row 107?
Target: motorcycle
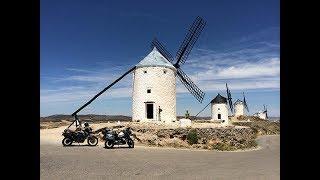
column 113, row 138
column 79, row 136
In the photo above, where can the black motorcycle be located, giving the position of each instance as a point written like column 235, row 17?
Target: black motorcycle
column 79, row 136
column 112, row 138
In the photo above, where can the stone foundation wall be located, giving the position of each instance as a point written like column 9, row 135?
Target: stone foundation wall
column 208, row 138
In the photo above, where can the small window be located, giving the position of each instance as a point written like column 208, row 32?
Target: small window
column 145, row 72
column 218, row 108
column 164, row 71
column 148, row 90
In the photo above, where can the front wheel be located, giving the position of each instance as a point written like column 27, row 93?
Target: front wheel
column 108, row 144
column 92, row 141
column 66, row 141
column 130, row 143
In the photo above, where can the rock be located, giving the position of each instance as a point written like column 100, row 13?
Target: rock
column 185, row 122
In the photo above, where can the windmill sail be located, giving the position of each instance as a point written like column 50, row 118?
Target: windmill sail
column 182, row 55
column 229, row 98
column 189, row 41
column 245, row 103
column 266, row 111
column 187, row 82
column 162, row 50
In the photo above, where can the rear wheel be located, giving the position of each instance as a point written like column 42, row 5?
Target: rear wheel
column 130, row 143
column 92, row 141
column 67, row 141
column 108, row 144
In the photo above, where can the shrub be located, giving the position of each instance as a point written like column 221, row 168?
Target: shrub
column 192, row 137
column 223, row 146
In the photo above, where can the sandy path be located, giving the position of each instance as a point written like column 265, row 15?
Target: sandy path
column 83, row 162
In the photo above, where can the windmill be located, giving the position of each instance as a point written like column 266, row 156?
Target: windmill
column 219, row 100
column 160, row 57
column 262, row 114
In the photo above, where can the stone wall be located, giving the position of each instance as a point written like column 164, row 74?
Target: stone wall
column 208, row 138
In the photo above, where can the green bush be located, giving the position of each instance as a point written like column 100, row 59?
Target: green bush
column 192, row 137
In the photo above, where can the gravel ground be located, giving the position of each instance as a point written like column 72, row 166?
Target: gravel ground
column 83, row 162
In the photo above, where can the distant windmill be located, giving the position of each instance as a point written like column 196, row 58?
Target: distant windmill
column 240, row 107
column 219, row 106
column 154, row 82
column 262, row 114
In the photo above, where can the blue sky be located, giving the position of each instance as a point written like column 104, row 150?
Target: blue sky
column 85, row 45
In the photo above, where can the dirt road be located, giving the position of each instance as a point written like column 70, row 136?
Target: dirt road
column 85, row 162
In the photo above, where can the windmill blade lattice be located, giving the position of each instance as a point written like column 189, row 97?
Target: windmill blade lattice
column 162, row 50
column 188, row 83
column 229, row 99
column 189, row 41
column 245, row 103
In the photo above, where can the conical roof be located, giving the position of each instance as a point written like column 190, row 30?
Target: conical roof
column 219, row 100
column 155, row 59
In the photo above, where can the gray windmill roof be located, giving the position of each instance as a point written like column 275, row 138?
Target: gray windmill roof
column 155, row 59
column 219, row 99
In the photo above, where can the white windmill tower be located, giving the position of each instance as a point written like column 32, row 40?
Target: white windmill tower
column 219, row 109
column 240, row 107
column 154, row 89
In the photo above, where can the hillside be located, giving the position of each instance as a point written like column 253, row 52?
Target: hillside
column 91, row 117
column 96, row 117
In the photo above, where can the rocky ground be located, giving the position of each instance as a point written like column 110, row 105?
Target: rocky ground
column 260, row 126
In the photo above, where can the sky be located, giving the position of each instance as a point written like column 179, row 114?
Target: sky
column 85, row 45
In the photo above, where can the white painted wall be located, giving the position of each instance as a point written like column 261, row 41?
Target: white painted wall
column 220, row 109
column 238, row 109
column 163, row 93
column 262, row 115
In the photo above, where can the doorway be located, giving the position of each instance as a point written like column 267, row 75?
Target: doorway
column 149, row 108
column 219, row 116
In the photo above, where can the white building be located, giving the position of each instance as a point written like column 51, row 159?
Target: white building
column 238, row 108
column 154, row 89
column 219, row 109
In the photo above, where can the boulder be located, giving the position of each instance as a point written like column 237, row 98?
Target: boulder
column 185, row 122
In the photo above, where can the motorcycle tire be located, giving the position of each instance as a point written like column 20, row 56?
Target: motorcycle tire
column 131, row 143
column 92, row 141
column 67, row 141
column 108, row 144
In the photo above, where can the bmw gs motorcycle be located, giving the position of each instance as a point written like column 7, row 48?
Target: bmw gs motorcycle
column 113, row 138
column 79, row 136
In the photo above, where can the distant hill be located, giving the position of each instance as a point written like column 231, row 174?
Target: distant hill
column 91, row 117
column 95, row 117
